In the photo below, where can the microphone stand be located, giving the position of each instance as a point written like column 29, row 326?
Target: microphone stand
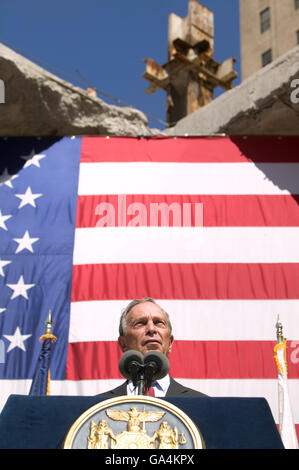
column 143, row 370
column 141, row 383
column 145, row 377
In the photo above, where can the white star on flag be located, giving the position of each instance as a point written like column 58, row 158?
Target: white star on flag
column 2, row 310
column 16, row 340
column 3, row 218
column 2, row 264
column 6, row 178
column 25, row 243
column 20, row 288
column 33, row 160
column 27, row 198
column 28, row 157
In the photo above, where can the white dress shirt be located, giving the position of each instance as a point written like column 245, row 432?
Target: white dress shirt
column 160, row 387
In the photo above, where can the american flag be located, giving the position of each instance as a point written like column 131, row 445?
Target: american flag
column 208, row 227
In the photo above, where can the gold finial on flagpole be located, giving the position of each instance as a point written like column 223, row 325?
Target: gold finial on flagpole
column 49, row 324
column 279, row 331
column 280, row 345
column 48, row 329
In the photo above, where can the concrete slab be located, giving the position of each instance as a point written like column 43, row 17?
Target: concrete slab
column 264, row 104
column 37, row 102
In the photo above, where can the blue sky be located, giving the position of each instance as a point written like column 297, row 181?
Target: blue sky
column 107, row 40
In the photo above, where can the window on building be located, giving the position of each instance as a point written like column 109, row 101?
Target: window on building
column 265, row 20
column 296, row 4
column 297, row 32
column 267, row 57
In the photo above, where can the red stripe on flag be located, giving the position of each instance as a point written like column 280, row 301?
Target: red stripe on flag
column 217, row 211
column 93, row 360
column 185, row 281
column 205, row 149
column 296, row 429
column 96, row 360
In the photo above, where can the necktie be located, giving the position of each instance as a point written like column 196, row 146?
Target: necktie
column 150, row 392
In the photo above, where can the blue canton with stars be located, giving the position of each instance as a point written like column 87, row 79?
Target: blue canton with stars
column 38, row 199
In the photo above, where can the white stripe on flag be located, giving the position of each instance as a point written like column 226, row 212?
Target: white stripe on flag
column 198, row 320
column 188, row 178
column 13, row 387
column 215, row 388
column 186, row 245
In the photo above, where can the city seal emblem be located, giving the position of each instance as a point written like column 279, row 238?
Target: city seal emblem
column 134, row 422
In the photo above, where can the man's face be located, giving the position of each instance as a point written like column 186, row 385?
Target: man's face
column 147, row 330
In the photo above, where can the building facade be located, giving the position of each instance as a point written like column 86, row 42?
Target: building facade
column 268, row 28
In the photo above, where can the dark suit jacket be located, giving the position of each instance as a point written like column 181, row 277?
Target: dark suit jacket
column 175, row 389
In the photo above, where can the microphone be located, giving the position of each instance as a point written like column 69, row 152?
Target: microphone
column 131, row 365
column 156, row 366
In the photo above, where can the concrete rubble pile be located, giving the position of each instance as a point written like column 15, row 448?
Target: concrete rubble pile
column 38, row 103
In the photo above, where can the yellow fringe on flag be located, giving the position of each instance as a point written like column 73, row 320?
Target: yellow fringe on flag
column 48, row 383
column 52, row 337
column 278, row 347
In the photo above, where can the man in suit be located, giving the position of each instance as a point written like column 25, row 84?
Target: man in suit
column 145, row 326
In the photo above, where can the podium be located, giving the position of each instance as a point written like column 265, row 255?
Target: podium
column 225, row 423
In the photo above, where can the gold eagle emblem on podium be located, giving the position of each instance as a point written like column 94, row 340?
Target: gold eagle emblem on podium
column 95, row 429
column 135, row 437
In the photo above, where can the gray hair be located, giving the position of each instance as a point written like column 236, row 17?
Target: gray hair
column 125, row 311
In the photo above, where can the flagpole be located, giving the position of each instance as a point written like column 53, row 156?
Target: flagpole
column 280, row 340
column 286, row 423
column 41, row 379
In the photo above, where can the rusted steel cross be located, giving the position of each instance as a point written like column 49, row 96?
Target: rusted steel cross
column 191, row 74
